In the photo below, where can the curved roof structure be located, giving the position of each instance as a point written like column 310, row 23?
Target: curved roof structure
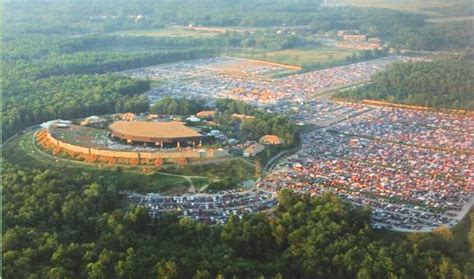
column 153, row 131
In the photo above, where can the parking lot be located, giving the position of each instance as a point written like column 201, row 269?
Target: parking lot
column 413, row 168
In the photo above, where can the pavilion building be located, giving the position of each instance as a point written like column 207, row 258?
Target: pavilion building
column 157, row 133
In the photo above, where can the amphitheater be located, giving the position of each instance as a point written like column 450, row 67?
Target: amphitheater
column 157, row 133
column 47, row 141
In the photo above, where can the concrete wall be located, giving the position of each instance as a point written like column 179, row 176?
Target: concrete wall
column 193, row 154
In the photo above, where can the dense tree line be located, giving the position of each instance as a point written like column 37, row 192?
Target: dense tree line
column 355, row 57
column 96, row 62
column 269, row 124
column 403, row 29
column 28, row 102
column 34, row 46
column 45, row 78
column 74, row 226
column 233, row 106
column 447, row 84
column 262, row 124
column 463, row 8
column 440, row 36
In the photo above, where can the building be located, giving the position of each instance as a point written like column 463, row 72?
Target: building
column 158, row 133
column 355, row 38
column 271, row 139
column 242, row 116
column 128, row 116
column 341, row 33
column 93, row 120
column 253, row 150
column 206, row 114
column 193, row 119
column 375, row 42
column 61, row 123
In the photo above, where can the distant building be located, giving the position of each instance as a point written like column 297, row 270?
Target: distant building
column 193, row 119
column 341, row 33
column 271, row 139
column 375, row 42
column 206, row 114
column 92, row 120
column 253, row 150
column 62, row 123
column 128, row 116
column 242, row 116
column 355, row 38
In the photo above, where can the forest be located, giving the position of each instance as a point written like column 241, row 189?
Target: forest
column 47, row 79
column 404, row 30
column 29, row 102
column 442, row 84
column 75, row 226
column 175, row 106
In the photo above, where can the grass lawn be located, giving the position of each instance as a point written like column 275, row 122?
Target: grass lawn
column 169, row 32
column 403, row 5
column 237, row 169
column 200, row 182
column 297, row 56
column 22, row 152
column 450, row 19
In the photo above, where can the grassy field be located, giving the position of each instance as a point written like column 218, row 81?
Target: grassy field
column 23, row 152
column 169, row 32
column 449, row 19
column 238, row 169
column 298, row 56
column 403, row 5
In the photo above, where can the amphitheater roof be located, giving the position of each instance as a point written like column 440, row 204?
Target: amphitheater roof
column 153, row 130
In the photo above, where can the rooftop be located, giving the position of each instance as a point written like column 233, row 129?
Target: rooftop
column 173, row 129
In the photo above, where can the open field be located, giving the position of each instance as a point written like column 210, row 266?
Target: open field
column 403, row 5
column 169, row 32
column 144, row 48
column 297, row 56
column 450, row 19
column 240, row 169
